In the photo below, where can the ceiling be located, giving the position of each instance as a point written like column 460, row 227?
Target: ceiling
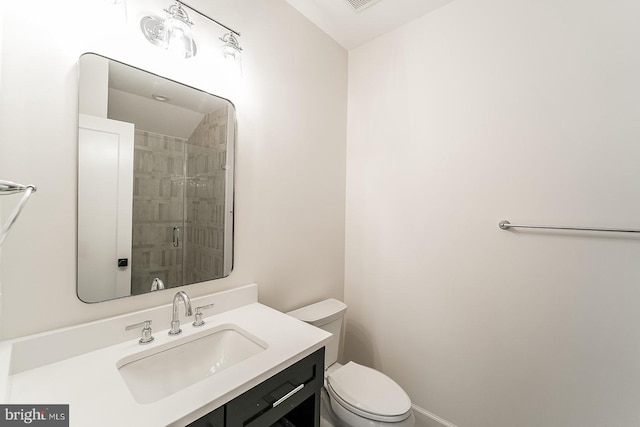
column 351, row 28
column 138, row 82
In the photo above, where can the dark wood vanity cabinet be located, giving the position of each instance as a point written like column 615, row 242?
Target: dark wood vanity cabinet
column 291, row 398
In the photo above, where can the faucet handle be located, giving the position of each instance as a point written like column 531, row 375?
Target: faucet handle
column 146, row 331
column 198, row 321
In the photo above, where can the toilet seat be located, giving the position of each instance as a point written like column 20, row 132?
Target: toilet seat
column 368, row 393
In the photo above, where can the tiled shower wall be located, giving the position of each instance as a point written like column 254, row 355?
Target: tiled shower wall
column 206, row 164
column 158, row 194
column 159, row 205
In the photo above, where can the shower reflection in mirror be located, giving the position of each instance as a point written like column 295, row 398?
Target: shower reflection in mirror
column 155, row 182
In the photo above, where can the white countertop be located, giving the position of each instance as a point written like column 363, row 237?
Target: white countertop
column 98, row 396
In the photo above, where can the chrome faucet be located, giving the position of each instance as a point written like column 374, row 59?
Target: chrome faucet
column 175, row 322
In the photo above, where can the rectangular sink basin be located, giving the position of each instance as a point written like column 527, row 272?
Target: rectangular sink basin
column 162, row 371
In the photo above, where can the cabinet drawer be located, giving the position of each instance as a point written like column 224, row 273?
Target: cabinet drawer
column 264, row 404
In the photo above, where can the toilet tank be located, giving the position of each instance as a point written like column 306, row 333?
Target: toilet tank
column 327, row 315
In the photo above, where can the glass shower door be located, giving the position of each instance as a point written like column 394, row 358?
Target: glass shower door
column 158, row 212
column 206, row 168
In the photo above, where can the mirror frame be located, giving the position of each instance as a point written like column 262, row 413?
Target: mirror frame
column 229, row 186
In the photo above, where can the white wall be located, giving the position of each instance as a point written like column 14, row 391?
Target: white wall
column 291, row 104
column 525, row 110
column 2, row 6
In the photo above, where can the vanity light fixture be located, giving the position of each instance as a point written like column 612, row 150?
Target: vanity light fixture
column 174, row 32
column 231, row 48
column 231, row 52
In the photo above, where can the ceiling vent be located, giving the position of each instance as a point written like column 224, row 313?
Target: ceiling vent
column 359, row 5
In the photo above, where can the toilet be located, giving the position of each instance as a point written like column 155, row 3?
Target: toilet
column 358, row 396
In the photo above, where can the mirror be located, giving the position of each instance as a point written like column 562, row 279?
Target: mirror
column 155, row 182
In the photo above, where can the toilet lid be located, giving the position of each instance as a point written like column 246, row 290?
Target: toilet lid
column 371, row 393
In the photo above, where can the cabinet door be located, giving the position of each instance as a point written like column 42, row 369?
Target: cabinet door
column 269, row 401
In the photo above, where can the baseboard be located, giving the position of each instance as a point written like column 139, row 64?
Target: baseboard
column 425, row 418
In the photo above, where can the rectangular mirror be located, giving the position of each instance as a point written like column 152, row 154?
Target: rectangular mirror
column 155, row 182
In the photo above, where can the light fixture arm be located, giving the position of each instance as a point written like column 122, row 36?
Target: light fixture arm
column 210, row 19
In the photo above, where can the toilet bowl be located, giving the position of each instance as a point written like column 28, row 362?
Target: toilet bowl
column 358, row 396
